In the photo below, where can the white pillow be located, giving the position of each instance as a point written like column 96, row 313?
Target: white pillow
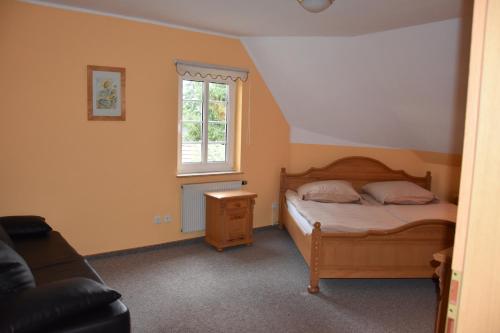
column 399, row 192
column 338, row 191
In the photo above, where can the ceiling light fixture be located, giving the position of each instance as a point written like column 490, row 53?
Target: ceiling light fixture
column 315, row 6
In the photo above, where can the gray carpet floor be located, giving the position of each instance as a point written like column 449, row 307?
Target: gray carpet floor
column 189, row 287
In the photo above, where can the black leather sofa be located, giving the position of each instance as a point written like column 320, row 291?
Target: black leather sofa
column 55, row 289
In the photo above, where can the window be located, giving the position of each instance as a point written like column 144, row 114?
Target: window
column 206, row 125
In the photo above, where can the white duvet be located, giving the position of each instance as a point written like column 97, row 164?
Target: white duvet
column 369, row 215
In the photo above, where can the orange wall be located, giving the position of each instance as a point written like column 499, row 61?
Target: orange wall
column 445, row 168
column 101, row 183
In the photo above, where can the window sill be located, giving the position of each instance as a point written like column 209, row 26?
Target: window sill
column 202, row 174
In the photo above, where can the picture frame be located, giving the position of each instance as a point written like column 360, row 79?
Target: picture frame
column 105, row 93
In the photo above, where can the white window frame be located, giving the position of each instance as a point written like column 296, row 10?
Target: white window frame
column 205, row 166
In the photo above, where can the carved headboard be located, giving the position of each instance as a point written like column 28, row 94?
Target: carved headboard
column 357, row 170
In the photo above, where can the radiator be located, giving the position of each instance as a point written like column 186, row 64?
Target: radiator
column 193, row 202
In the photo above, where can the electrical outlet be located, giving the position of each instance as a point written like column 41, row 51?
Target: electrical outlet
column 167, row 218
column 157, row 219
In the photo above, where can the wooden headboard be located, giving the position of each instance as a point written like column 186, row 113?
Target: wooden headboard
column 357, row 170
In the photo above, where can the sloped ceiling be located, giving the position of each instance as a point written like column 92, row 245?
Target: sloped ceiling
column 403, row 88
column 385, row 73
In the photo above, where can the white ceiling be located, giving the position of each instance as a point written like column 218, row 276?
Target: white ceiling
column 277, row 17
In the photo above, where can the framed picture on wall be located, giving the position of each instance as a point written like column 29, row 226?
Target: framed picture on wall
column 105, row 93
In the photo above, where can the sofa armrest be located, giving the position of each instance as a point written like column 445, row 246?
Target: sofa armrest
column 25, row 225
column 36, row 308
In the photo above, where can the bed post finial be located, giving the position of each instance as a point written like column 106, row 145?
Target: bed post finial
column 313, row 287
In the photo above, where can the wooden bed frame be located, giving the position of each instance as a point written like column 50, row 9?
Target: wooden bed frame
column 403, row 252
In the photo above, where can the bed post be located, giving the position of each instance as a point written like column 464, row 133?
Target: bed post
column 314, row 263
column 282, row 197
column 428, row 179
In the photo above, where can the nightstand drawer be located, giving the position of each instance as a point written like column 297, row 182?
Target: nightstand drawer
column 233, row 204
column 236, row 214
column 236, row 224
column 236, row 232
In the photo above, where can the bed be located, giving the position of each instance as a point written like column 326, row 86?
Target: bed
column 404, row 251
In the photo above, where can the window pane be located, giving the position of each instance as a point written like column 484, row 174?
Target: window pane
column 192, row 90
column 217, row 92
column 191, row 152
column 217, row 132
column 191, row 132
column 191, row 111
column 216, row 152
column 217, row 111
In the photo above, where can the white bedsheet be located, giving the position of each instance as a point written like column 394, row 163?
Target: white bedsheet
column 369, row 215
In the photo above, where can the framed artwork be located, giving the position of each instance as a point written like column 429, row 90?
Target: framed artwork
column 105, row 93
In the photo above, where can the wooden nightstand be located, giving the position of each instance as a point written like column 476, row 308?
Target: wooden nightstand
column 229, row 218
column 443, row 272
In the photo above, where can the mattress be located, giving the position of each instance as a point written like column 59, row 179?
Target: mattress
column 366, row 215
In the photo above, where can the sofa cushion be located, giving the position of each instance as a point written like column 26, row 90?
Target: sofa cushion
column 45, row 251
column 4, row 237
column 114, row 317
column 25, row 225
column 67, row 270
column 36, row 308
column 15, row 274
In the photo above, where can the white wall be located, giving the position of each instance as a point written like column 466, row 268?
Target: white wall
column 402, row 88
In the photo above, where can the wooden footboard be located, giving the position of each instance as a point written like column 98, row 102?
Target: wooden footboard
column 405, row 252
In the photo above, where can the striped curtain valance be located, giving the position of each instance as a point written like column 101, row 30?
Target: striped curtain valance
column 215, row 72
